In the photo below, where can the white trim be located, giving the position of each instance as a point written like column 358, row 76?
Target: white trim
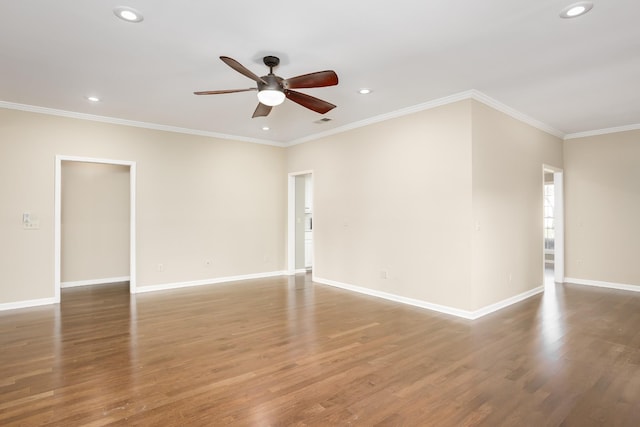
column 95, row 160
column 133, row 269
column 291, row 219
column 94, row 282
column 204, row 282
column 507, row 302
column 397, row 298
column 387, row 116
column 601, row 284
column 465, row 314
column 27, row 303
column 303, row 270
column 291, row 224
column 558, row 206
column 132, row 123
column 57, row 229
column 605, row 131
column 58, row 217
column 512, row 112
column 470, row 94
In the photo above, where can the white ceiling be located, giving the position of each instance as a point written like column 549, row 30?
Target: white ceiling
column 574, row 75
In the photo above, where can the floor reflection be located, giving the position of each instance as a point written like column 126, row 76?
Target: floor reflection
column 550, row 314
column 301, row 315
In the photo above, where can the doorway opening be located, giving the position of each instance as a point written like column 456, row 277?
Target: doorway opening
column 300, row 223
column 553, row 228
column 75, row 163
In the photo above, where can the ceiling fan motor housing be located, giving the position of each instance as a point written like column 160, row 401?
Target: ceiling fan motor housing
column 273, row 83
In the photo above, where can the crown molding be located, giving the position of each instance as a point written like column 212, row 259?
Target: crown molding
column 470, row 94
column 605, row 131
column 133, row 123
column 383, row 117
column 512, row 112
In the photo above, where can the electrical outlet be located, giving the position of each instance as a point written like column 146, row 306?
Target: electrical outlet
column 160, row 268
column 30, row 222
column 31, row 225
column 384, row 274
column 207, row 263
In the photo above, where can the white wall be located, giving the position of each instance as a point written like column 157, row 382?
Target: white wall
column 198, row 199
column 508, row 236
column 602, row 208
column 448, row 201
column 95, row 221
column 395, row 196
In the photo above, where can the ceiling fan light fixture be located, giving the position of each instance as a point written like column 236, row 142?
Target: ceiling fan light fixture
column 271, row 97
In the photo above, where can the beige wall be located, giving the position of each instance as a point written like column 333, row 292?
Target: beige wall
column 198, row 199
column 507, row 240
column 447, row 202
column 95, row 221
column 602, row 208
column 395, row 196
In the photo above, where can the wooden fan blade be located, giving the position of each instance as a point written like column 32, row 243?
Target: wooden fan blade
column 219, row 92
column 318, row 79
column 241, row 69
column 261, row 111
column 310, row 102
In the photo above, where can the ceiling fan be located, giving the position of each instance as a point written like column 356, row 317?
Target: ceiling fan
column 272, row 89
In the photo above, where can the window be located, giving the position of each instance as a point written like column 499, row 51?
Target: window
column 548, row 218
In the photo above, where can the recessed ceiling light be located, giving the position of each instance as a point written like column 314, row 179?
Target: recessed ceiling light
column 576, row 9
column 265, row 127
column 128, row 14
column 93, row 99
column 364, row 91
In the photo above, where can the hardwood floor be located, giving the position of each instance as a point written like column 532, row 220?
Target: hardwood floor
column 283, row 351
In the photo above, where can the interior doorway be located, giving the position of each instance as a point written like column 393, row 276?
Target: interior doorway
column 131, row 166
column 300, row 222
column 553, row 225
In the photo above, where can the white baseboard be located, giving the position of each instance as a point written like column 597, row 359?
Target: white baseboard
column 465, row 314
column 507, row 302
column 27, row 303
column 178, row 285
column 294, row 272
column 94, row 282
column 601, row 284
column 397, row 298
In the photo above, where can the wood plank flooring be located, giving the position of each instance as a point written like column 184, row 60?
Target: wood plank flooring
column 284, row 351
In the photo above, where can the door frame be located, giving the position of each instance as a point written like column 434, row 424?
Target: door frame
column 558, row 221
column 291, row 220
column 58, row 216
